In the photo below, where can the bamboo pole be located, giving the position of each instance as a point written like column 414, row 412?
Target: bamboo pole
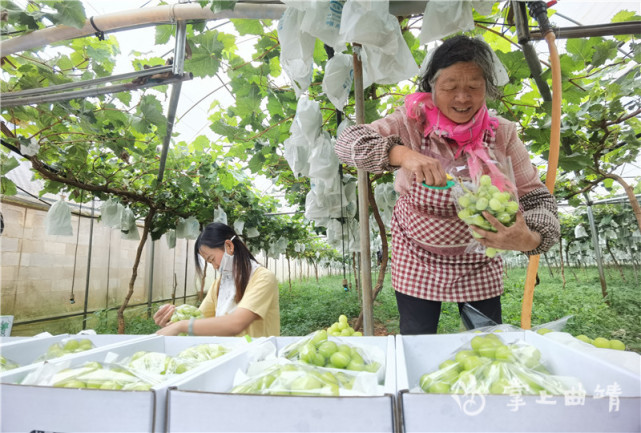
column 363, row 202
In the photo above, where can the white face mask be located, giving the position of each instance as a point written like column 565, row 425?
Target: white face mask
column 227, row 263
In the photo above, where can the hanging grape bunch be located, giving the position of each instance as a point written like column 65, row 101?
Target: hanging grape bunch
column 489, row 198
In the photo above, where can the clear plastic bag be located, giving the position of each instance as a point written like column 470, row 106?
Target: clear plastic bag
column 492, row 191
column 488, row 365
column 67, row 346
column 553, row 326
column 91, row 374
column 283, row 377
column 316, row 349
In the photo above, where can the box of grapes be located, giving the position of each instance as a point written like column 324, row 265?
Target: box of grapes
column 120, row 387
column 293, row 384
column 26, row 351
column 509, row 382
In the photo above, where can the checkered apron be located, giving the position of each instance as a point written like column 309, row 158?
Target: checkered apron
column 428, row 251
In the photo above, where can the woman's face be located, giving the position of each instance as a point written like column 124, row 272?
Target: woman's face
column 459, row 91
column 213, row 256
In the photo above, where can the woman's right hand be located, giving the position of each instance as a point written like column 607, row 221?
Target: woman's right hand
column 163, row 315
column 425, row 169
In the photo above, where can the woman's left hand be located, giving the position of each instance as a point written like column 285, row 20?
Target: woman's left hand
column 517, row 237
column 172, row 329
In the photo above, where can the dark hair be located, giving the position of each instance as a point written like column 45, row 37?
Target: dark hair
column 214, row 235
column 457, row 49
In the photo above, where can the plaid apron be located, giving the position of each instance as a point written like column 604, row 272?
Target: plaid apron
column 428, row 251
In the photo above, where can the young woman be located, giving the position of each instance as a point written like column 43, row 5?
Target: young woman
column 243, row 300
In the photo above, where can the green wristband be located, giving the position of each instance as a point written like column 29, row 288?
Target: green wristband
column 449, row 184
column 190, row 327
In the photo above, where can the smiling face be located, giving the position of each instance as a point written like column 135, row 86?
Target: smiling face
column 459, row 91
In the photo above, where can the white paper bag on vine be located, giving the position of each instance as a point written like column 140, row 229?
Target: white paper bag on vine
column 252, row 232
column 170, row 237
column 323, row 162
column 297, row 153
column 308, row 119
column 239, row 225
column 315, row 209
column 128, row 227
column 111, row 213
column 337, row 82
column 323, row 21
column 368, row 22
column 354, row 236
column 187, row 228
column 220, row 216
column 443, row 18
column 386, row 68
column 296, row 49
column 58, row 219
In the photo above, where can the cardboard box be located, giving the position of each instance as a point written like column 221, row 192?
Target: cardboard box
column 28, row 407
column 610, row 402
column 204, row 403
column 26, row 351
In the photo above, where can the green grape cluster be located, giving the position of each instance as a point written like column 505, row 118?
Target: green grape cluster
column 95, row 375
column 6, row 364
column 296, row 379
column 59, row 349
column 184, row 312
column 488, row 198
column 602, row 342
column 492, row 367
column 318, row 350
column 342, row 328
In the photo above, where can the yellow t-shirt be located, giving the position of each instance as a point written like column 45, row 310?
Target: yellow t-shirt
column 261, row 298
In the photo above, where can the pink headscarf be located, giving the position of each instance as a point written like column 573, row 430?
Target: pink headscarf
column 469, row 136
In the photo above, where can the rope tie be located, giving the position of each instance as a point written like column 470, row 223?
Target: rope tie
column 99, row 33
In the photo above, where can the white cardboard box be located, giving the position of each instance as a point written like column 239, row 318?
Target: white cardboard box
column 26, row 351
column 26, row 408
column 616, row 410
column 203, row 403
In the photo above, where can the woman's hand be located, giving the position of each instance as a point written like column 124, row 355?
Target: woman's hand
column 163, row 315
column 173, row 329
column 426, row 169
column 517, row 237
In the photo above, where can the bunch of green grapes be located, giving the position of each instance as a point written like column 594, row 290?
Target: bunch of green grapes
column 342, row 328
column 488, row 198
column 493, row 367
column 184, row 312
column 602, row 342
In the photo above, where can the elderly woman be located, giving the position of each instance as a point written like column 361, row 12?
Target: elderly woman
column 441, row 129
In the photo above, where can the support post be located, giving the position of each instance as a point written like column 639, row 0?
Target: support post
column 363, row 202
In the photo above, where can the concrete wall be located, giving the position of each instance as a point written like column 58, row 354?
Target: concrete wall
column 39, row 271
